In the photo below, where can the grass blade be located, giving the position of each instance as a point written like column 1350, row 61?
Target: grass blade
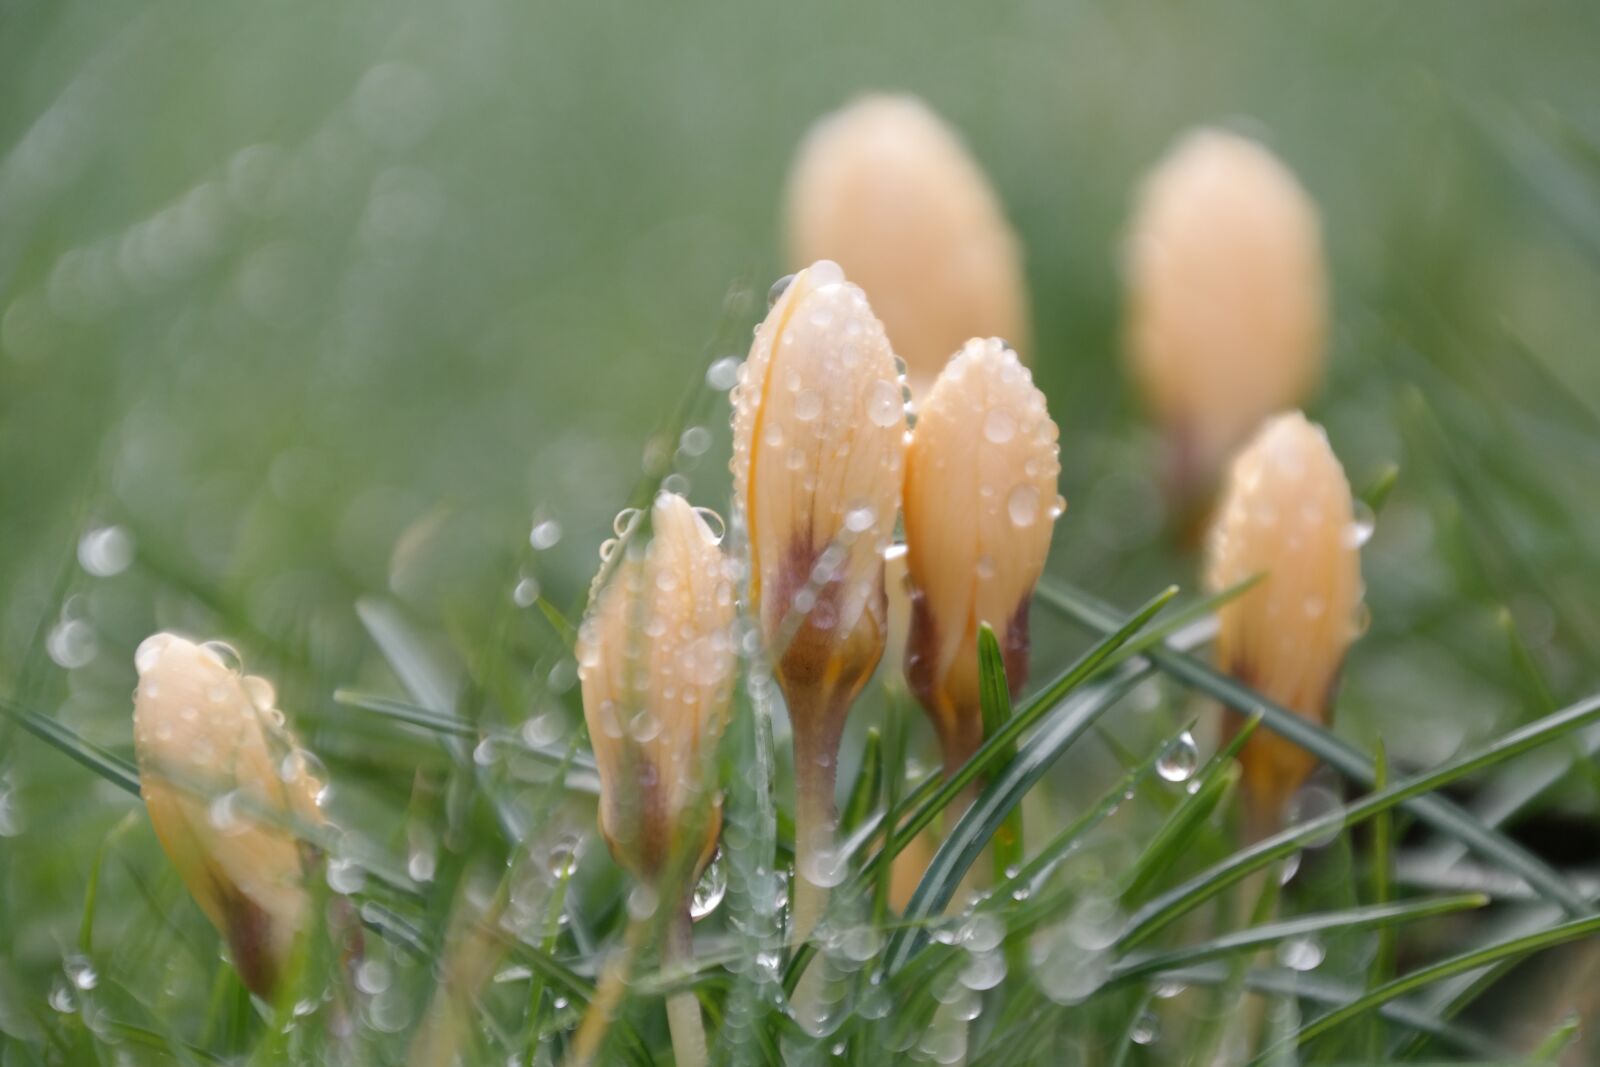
column 1345, row 758
column 1164, row 909
column 1466, row 961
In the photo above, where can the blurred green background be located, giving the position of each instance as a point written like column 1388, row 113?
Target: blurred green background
column 317, row 301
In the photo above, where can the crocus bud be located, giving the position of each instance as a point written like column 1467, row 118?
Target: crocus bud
column 819, row 432
column 1286, row 515
column 225, row 786
column 980, row 506
column 656, row 662
column 887, row 189
column 1227, row 299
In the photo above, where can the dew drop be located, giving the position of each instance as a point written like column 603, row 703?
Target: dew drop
column 105, row 551
column 526, row 592
column 372, row 977
column 999, row 426
column 695, row 441
column 81, row 972
column 884, row 406
column 72, row 644
column 779, row 287
column 1359, row 532
column 625, row 521
column 860, row 518
column 149, row 652
column 808, row 405
column 710, row 889
column 225, row 654
column 1023, row 505
column 545, row 535
column 715, row 529
column 1146, row 1030
column 345, row 875
column 1178, row 762
column 1301, row 954
column 825, row 272
column 562, row 859
column 723, row 374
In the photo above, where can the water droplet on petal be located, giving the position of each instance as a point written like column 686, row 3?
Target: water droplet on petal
column 808, row 405
column 779, row 287
column 225, row 654
column 1023, row 505
column 884, row 406
column 999, row 426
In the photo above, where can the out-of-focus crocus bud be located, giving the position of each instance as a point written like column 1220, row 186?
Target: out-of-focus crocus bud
column 1286, row 515
column 656, row 662
column 887, row 189
column 819, row 431
column 1227, row 300
column 226, row 786
column 980, row 506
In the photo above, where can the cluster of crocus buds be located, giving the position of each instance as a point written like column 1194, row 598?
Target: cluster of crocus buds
column 887, row 190
column 819, row 439
column 980, row 507
column 228, row 792
column 1227, row 300
column 1287, row 517
column 656, row 663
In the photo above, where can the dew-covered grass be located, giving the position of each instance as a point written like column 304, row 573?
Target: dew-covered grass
column 342, row 334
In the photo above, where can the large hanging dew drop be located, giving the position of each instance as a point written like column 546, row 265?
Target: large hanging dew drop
column 710, row 889
column 1178, row 762
column 1362, row 524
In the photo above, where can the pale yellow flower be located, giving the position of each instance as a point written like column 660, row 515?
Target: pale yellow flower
column 1227, row 298
column 1287, row 514
column 980, row 507
column 656, row 663
column 886, row 188
column 819, row 432
column 225, row 786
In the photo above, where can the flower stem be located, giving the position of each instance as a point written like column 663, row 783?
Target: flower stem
column 815, row 827
column 683, row 1009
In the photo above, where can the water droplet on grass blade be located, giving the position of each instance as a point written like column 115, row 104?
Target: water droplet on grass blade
column 1301, row 953
column 72, row 644
column 545, row 535
column 105, row 551
column 1178, row 762
column 1364, row 522
column 710, row 889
